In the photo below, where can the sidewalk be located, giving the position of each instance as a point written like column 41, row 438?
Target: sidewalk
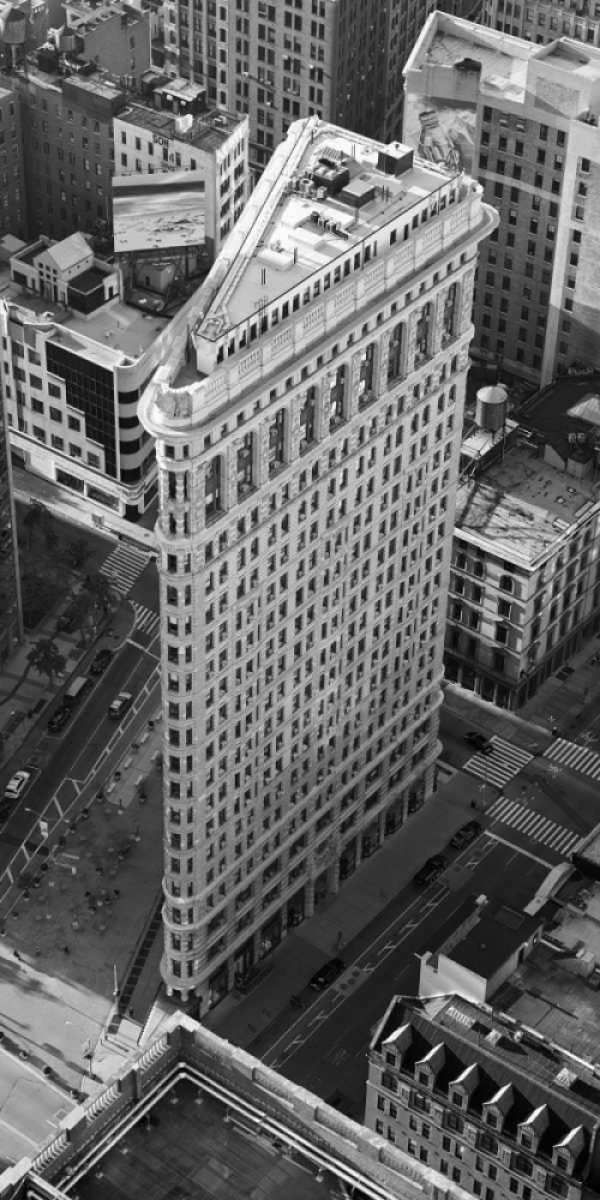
column 568, row 701
column 88, row 514
column 361, row 899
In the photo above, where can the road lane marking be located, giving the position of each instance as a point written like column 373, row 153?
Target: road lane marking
column 521, row 850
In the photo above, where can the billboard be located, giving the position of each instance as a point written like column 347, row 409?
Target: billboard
column 158, row 212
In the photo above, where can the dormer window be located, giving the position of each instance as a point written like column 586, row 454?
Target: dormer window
column 562, row 1160
column 526, row 1139
column 390, row 1057
column 423, row 1078
column 458, row 1098
column 491, row 1118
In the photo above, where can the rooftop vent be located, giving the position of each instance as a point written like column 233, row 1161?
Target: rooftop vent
column 565, row 1078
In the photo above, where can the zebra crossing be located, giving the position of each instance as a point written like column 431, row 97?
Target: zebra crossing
column 537, row 827
column 575, row 757
column 123, row 566
column 146, row 620
column 506, row 762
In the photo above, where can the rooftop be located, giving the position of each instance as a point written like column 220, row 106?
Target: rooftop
column 487, row 937
column 522, row 504
column 447, row 41
column 325, row 193
column 120, row 331
column 541, row 1074
column 192, row 1116
column 207, row 132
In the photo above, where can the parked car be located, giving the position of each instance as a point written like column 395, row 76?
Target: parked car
column 430, row 870
column 59, row 719
column 119, row 705
column 16, row 786
column 465, row 835
column 480, row 743
column 76, row 690
column 326, row 974
column 101, row 661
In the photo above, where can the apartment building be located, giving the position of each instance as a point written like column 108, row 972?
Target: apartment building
column 499, row 1108
column 108, row 32
column 177, row 132
column 281, row 61
column 542, row 21
column 525, row 579
column 308, row 453
column 12, row 178
column 472, row 96
column 75, row 359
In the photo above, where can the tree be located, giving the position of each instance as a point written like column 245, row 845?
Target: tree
column 46, row 658
column 34, row 521
column 101, row 591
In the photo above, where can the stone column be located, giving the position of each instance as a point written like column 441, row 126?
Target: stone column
column 411, row 339
column 230, row 480
column 260, row 454
column 198, row 497
column 321, row 418
column 383, row 349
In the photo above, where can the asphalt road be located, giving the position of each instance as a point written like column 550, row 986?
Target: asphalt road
column 324, row 1048
column 65, row 761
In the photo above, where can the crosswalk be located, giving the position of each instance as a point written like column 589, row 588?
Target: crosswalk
column 146, row 620
column 575, row 757
column 506, row 762
column 123, row 566
column 537, row 827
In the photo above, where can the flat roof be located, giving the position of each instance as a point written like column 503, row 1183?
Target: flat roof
column 489, row 939
column 120, row 330
column 191, row 1150
column 208, row 130
column 522, row 503
column 292, row 226
column 448, row 41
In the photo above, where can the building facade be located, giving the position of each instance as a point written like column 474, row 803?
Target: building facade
column 472, row 94
column 75, row 359
column 307, row 478
column 151, row 138
column 542, row 21
column 11, row 616
column 525, row 580
column 13, row 218
column 496, row 1107
column 68, row 148
column 281, row 61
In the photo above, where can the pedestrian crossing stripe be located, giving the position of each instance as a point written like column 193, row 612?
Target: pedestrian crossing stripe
column 534, row 824
column 123, row 566
column 501, row 766
column 575, row 756
column 145, row 618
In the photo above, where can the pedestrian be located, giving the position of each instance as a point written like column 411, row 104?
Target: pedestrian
column 37, row 951
column 116, row 893
column 66, row 950
column 17, row 956
column 130, row 1010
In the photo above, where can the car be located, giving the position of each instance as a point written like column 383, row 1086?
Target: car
column 480, row 743
column 119, row 705
column 101, row 661
column 430, row 870
column 59, row 719
column 465, row 835
column 68, row 620
column 16, row 786
column 326, row 974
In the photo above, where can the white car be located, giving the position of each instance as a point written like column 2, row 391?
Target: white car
column 17, row 785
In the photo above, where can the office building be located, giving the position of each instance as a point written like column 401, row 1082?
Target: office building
column 281, row 61
column 472, row 96
column 175, row 131
column 191, row 1107
column 68, row 148
column 524, row 582
column 308, row 452
column 542, row 21
column 12, row 178
column 75, row 358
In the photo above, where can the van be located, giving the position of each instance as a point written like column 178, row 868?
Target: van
column 76, row 690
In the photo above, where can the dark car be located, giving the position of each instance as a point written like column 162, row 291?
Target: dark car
column 465, row 835
column 101, row 662
column 326, row 975
column 59, row 719
column 480, row 743
column 431, row 869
